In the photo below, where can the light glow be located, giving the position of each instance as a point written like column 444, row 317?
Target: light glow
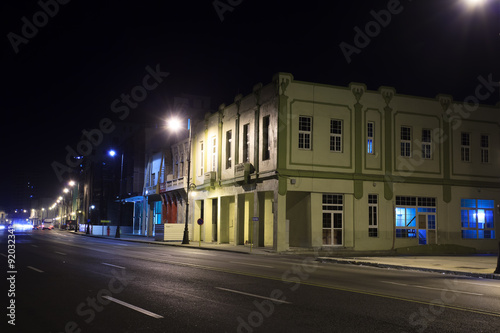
column 174, row 124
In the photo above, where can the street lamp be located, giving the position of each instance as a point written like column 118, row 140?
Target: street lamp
column 112, row 153
column 175, row 124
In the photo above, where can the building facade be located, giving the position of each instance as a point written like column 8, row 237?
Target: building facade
column 299, row 164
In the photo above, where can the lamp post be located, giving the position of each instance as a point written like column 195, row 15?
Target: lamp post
column 112, row 153
column 175, row 124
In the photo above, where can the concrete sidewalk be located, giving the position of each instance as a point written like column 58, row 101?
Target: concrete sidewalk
column 481, row 266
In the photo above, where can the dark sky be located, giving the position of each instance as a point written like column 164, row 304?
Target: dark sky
column 64, row 77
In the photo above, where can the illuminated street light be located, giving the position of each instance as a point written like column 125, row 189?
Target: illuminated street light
column 65, row 190
column 71, row 183
column 175, row 124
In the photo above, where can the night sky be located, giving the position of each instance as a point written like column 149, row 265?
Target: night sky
column 65, row 76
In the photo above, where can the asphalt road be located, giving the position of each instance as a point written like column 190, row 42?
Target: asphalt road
column 73, row 283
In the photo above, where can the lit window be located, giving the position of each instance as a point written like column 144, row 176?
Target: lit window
column 416, row 218
column 477, row 219
column 405, row 141
column 370, row 134
column 426, row 143
column 465, row 147
column 335, row 135
column 305, row 131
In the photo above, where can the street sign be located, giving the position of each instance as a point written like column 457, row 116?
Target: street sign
column 200, row 221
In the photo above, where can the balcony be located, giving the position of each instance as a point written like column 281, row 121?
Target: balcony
column 173, row 184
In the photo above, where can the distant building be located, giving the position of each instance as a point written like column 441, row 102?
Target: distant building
column 4, row 217
column 300, row 164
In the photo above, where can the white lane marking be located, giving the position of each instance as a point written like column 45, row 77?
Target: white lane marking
column 133, row 307
column 245, row 263
column 424, row 287
column 104, row 263
column 3, row 255
column 481, row 284
column 35, row 269
column 203, row 254
column 253, row 295
column 63, row 254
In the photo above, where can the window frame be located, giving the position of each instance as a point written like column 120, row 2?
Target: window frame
column 266, row 149
column 405, row 143
column 229, row 140
column 372, row 215
column 485, row 148
column 246, row 143
column 426, row 144
column 370, row 139
column 337, row 146
column 305, row 136
column 214, row 153
column 476, row 229
column 202, row 158
column 465, row 148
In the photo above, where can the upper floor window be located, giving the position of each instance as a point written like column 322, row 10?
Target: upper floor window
column 305, row 132
column 265, row 139
column 370, row 135
column 336, row 135
column 229, row 138
column 202, row 159
column 246, row 143
column 465, row 147
column 214, row 153
column 405, row 141
column 426, row 143
column 485, row 148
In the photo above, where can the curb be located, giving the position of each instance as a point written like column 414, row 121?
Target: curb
column 409, row 268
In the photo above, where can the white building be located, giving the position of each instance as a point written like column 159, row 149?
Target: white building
column 310, row 165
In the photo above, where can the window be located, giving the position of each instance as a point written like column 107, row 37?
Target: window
column 181, row 166
column 370, row 134
column 214, row 153
column 465, row 147
column 202, row 156
column 305, row 131
column 176, row 165
column 485, row 147
column 372, row 215
column 229, row 135
column 265, row 139
column 335, row 135
column 426, row 143
column 246, row 143
column 477, row 219
column 405, row 141
column 416, row 218
column 332, row 219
